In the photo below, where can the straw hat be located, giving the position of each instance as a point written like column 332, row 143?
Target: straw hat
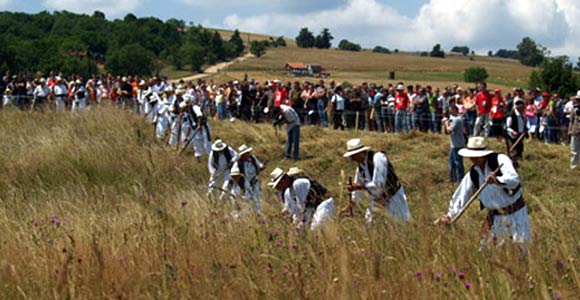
column 218, row 145
column 355, row 146
column 400, row 87
column 295, row 171
column 235, row 171
column 142, row 83
column 476, row 147
column 245, row 149
column 275, row 177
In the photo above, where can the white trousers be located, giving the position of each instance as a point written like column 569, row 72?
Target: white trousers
column 397, row 206
column 161, row 127
column 324, row 213
column 60, row 105
column 575, row 151
column 79, row 105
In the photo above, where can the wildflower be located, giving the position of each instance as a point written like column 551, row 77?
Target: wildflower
column 183, row 203
column 35, row 223
column 278, row 244
column 418, row 274
column 560, row 264
column 54, row 220
column 285, row 271
column 438, row 276
column 557, row 296
column 467, row 284
column 461, row 275
column 63, row 222
column 294, row 246
column 454, row 270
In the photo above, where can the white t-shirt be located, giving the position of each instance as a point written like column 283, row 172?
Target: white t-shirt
column 339, row 102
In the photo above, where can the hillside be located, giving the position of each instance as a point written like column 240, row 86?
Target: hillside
column 357, row 67
column 91, row 206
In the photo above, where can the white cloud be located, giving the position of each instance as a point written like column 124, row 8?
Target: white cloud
column 5, row 4
column 491, row 24
column 111, row 8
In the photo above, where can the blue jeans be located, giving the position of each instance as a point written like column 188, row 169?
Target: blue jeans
column 322, row 113
column 222, row 110
column 456, row 169
column 469, row 118
column 401, row 121
column 293, row 139
column 379, row 119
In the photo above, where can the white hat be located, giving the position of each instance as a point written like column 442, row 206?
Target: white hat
column 78, row 81
column 57, row 78
column 183, row 104
column 124, row 78
column 354, row 146
column 266, row 110
column 476, row 147
column 578, row 95
column 295, row 171
column 142, row 82
column 179, row 91
column 400, row 87
column 519, row 100
column 169, row 89
column 154, row 97
column 245, row 149
column 218, row 145
column 42, row 80
column 275, row 177
column 235, row 171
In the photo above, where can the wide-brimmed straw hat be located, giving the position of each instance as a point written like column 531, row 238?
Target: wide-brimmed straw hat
column 235, row 171
column 275, row 177
column 245, row 149
column 476, row 147
column 295, row 171
column 355, row 146
column 218, row 145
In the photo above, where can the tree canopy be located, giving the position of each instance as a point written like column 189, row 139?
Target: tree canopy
column 305, row 38
column 460, row 49
column 78, row 43
column 437, row 52
column 529, row 53
column 349, row 46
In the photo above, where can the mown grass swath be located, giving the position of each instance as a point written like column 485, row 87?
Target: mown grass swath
column 91, row 206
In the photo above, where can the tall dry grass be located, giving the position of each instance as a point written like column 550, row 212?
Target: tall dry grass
column 92, row 207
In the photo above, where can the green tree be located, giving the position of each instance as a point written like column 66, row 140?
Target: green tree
column 556, row 74
column 437, row 52
column 380, row 49
column 280, row 42
column 346, row 45
column 529, row 53
column 475, row 74
column 193, row 54
column 305, row 38
column 324, row 39
column 238, row 43
column 504, row 53
column 131, row 59
column 257, row 48
column 461, row 49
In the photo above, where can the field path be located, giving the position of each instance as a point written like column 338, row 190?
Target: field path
column 214, row 69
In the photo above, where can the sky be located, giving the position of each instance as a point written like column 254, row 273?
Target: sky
column 414, row 25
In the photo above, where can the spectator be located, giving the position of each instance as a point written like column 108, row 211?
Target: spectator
column 497, row 114
column 483, row 101
column 401, row 106
column 286, row 114
column 454, row 127
column 338, row 105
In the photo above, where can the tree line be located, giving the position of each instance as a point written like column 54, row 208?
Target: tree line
column 80, row 44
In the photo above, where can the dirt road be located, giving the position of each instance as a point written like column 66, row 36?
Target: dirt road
column 214, row 69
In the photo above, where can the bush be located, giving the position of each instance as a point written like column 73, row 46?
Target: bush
column 461, row 49
column 437, row 52
column 258, row 48
column 348, row 46
column 475, row 74
column 379, row 49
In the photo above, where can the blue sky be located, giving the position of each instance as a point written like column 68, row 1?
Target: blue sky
column 409, row 25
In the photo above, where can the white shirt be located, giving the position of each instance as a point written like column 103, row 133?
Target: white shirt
column 509, row 122
column 222, row 162
column 339, row 101
column 291, row 117
column 251, row 170
column 373, row 180
column 493, row 196
column 60, row 90
column 41, row 91
column 295, row 198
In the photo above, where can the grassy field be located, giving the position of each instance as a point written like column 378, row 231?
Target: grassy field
column 92, row 207
column 249, row 37
column 357, row 67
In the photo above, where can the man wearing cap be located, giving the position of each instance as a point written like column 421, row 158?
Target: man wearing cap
column 286, row 114
column 401, row 106
column 40, row 94
column 515, row 127
column 574, row 132
column 376, row 175
column 249, row 166
column 60, row 91
column 507, row 212
column 306, row 200
column 483, row 102
column 221, row 159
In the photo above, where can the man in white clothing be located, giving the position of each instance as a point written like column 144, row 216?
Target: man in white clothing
column 41, row 92
column 306, row 200
column 220, row 161
column 60, row 91
column 376, row 175
column 79, row 96
column 574, row 133
column 286, row 114
column 507, row 212
column 250, row 167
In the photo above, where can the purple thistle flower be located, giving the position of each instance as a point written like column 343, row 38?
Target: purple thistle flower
column 438, row 276
column 183, row 203
column 467, row 284
column 557, row 296
column 285, row 271
column 418, row 274
column 294, row 246
column 278, row 244
column 54, row 220
column 461, row 275
column 35, row 223
column 560, row 264
column 454, row 270
column 63, row 222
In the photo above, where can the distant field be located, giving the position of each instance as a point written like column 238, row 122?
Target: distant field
column 227, row 34
column 357, row 67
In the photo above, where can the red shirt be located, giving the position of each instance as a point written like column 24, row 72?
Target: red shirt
column 279, row 97
column 401, row 101
column 497, row 108
column 483, row 101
